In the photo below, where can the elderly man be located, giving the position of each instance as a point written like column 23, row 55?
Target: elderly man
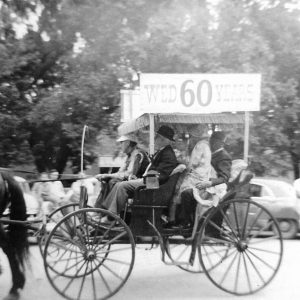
column 163, row 161
column 134, row 167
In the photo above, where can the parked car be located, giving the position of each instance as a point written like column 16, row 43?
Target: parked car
column 279, row 197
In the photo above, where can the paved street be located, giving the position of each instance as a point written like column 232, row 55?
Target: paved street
column 151, row 279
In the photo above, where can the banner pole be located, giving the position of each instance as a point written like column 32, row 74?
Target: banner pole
column 82, row 146
column 151, row 134
column 246, row 136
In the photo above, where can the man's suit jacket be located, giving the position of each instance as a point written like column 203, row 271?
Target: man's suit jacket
column 164, row 162
column 221, row 161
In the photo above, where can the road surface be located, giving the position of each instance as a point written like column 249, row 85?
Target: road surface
column 151, row 279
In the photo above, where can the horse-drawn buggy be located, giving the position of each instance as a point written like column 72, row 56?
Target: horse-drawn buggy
column 86, row 257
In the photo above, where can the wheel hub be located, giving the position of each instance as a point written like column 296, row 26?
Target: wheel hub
column 90, row 255
column 241, row 246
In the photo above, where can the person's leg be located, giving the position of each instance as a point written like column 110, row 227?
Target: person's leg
column 106, row 187
column 117, row 198
column 188, row 207
column 110, row 200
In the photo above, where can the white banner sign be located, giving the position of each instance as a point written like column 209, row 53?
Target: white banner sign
column 199, row 93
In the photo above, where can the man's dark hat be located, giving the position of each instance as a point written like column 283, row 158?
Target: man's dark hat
column 166, row 132
column 218, row 135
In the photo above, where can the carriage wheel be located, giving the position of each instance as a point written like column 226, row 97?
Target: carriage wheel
column 87, row 258
column 179, row 250
column 240, row 246
column 52, row 219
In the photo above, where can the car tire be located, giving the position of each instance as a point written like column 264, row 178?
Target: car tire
column 288, row 227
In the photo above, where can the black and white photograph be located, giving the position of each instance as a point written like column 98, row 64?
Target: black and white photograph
column 149, row 149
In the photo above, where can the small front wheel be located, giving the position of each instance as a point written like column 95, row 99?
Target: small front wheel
column 89, row 254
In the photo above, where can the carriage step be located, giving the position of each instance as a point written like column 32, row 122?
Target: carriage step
column 185, row 232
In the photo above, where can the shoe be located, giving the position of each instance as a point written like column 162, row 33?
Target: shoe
column 164, row 219
column 171, row 225
column 178, row 226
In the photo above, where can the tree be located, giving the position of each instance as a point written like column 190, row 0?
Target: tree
column 92, row 79
column 67, row 69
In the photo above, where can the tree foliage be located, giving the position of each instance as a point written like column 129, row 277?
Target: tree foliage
column 73, row 57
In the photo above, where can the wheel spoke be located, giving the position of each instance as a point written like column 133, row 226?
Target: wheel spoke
column 217, row 252
column 224, row 259
column 260, row 211
column 264, row 250
column 246, row 220
column 111, row 251
column 111, row 271
column 247, row 273
column 93, row 283
column 82, row 281
column 114, row 239
column 262, row 230
column 117, row 261
column 103, row 279
column 261, row 260
column 72, row 266
column 255, row 268
column 57, row 260
column 236, row 219
column 228, row 269
column 208, row 257
column 228, row 223
column 60, row 246
column 73, row 278
column 182, row 253
column 230, row 240
column 237, row 272
column 259, row 241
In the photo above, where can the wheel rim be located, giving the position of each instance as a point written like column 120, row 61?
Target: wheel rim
column 52, row 219
column 243, row 258
column 179, row 250
column 87, row 259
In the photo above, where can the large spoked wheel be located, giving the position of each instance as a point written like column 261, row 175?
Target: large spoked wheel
column 52, row 219
column 87, row 257
column 240, row 246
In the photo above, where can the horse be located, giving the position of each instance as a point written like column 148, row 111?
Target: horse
column 13, row 240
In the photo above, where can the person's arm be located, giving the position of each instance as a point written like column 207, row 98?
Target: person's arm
column 223, row 169
column 131, row 167
column 166, row 163
column 136, row 165
column 223, row 172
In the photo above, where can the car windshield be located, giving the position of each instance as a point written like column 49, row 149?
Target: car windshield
column 281, row 189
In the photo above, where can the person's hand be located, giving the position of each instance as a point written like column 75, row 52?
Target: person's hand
column 203, row 184
column 131, row 177
column 102, row 176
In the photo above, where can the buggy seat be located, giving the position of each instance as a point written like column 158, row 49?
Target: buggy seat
column 149, row 204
